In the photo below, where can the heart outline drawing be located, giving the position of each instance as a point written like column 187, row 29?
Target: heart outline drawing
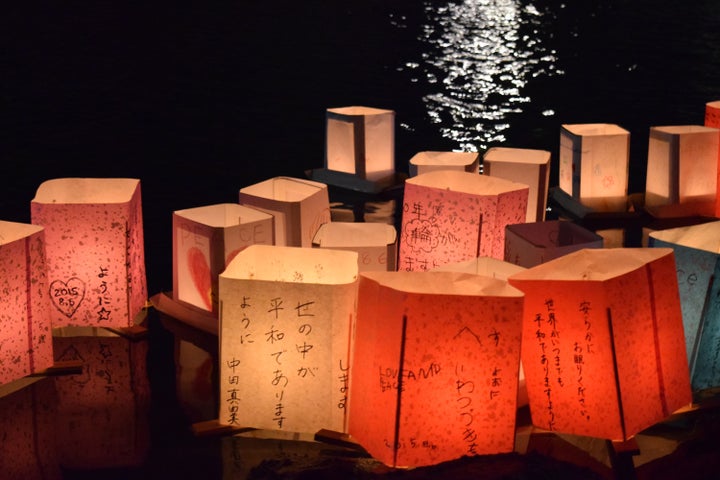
column 67, row 296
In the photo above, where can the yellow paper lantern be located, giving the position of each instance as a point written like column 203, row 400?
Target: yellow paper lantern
column 375, row 243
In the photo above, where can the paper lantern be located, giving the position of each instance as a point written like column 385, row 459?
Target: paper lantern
column 712, row 119
column 451, row 216
column 285, row 316
column 486, row 266
column 682, row 168
column 424, row 162
column 25, row 330
column 523, row 165
column 435, row 366
column 375, row 243
column 697, row 256
column 205, row 239
column 603, row 344
column 530, row 244
column 94, row 249
column 102, row 412
column 594, row 162
column 298, row 207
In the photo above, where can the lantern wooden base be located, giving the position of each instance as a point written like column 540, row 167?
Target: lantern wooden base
column 183, row 312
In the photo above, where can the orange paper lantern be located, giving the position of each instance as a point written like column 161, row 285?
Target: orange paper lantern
column 205, row 239
column 425, row 162
column 435, row 366
column 451, row 216
column 25, row 330
column 285, row 316
column 603, row 344
column 712, row 119
column 375, row 243
column 94, row 249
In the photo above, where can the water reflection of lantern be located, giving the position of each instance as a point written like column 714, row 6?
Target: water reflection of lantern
column 205, row 239
column 285, row 316
column 102, row 412
column 435, row 366
column 530, row 244
column 424, row 162
column 94, row 249
column 451, row 216
column 603, row 344
column 523, row 165
column 375, row 243
column 298, row 207
column 594, row 162
column 682, row 169
column 25, row 330
column 697, row 255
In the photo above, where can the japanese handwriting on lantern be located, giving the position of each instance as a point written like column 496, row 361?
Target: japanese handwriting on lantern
column 274, row 335
column 343, row 377
column 233, row 401
column 464, row 399
column 280, row 381
column 585, row 309
column 495, row 335
column 540, row 336
column 103, row 295
column 495, row 383
column 579, row 357
column 303, row 309
column 245, row 320
column 554, row 338
column 275, row 306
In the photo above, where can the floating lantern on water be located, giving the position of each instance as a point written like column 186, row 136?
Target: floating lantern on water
column 375, row 243
column 424, row 162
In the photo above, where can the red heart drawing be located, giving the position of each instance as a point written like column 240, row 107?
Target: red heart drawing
column 200, row 273
column 67, row 296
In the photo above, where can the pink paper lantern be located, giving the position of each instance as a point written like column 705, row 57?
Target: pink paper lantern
column 25, row 329
column 94, row 250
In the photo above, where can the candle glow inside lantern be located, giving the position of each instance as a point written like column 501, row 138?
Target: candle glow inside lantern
column 424, row 162
column 205, row 239
column 435, row 364
column 697, row 255
column 298, row 207
column 712, row 119
column 594, row 163
column 25, row 328
column 451, row 216
column 285, row 317
column 603, row 344
column 375, row 243
column 522, row 165
column 94, row 250
column 682, row 168
column 530, row 244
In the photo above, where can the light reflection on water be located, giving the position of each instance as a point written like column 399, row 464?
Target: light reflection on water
column 477, row 57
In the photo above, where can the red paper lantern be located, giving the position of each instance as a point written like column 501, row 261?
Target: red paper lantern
column 712, row 119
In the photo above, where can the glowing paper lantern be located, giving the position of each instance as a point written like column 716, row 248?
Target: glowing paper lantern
column 594, row 162
column 435, row 366
column 682, row 168
column 603, row 345
column 285, row 316
column 530, row 244
column 94, row 249
column 375, row 243
column 102, row 412
column 205, row 239
column 697, row 255
column 298, row 207
column 25, row 329
column 451, row 216
column 424, row 162
column 486, row 266
column 523, row 165
column 712, row 119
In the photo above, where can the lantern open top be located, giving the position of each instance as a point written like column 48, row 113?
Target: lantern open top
column 86, row 190
column 358, row 110
column 293, row 264
column 514, row 155
column 593, row 264
column 450, row 159
column 223, row 215
column 355, row 234
column 13, row 231
column 286, row 189
column 443, row 283
column 465, row 182
column 683, row 129
column 592, row 129
column 486, row 266
column 704, row 236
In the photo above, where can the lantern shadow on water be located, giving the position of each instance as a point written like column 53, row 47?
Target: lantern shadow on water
column 434, row 366
column 603, row 344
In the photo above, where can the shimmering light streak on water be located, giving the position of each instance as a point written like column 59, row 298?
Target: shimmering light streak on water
column 476, row 63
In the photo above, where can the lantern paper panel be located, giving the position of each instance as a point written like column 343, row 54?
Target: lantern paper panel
column 430, row 161
column 530, row 244
column 25, row 329
column 712, row 119
column 285, row 316
column 451, row 217
column 603, row 344
column 435, row 366
column 94, row 250
column 523, row 165
column 375, row 243
column 361, row 141
column 485, row 266
column 205, row 239
column 594, row 162
column 682, row 169
column 697, row 255
column 298, row 207
column 103, row 411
